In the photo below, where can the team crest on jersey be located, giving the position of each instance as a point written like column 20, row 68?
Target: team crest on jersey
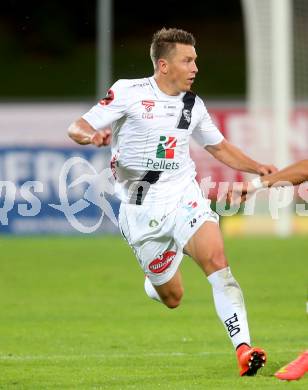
column 108, row 99
column 187, row 115
column 148, row 104
column 189, row 101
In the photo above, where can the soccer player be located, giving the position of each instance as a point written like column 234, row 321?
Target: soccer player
column 163, row 213
column 294, row 174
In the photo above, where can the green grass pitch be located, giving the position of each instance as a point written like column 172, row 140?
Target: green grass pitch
column 74, row 316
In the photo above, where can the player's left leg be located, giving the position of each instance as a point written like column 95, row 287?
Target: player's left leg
column 207, row 249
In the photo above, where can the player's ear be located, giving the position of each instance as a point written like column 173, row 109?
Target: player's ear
column 162, row 65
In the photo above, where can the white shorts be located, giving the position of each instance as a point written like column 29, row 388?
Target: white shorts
column 158, row 234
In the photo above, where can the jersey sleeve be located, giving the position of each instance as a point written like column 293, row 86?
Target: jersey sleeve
column 109, row 109
column 206, row 133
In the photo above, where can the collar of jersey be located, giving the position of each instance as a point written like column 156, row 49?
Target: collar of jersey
column 159, row 93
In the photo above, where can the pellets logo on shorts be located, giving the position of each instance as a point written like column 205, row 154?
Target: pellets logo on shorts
column 162, row 262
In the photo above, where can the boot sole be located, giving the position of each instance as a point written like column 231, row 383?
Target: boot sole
column 257, row 360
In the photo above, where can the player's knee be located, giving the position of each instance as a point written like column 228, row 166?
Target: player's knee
column 173, row 299
column 218, row 259
column 172, row 303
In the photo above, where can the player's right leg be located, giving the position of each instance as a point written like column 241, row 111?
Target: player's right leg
column 147, row 231
column 171, row 292
column 163, row 281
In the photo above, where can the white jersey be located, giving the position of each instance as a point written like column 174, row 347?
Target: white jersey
column 150, row 138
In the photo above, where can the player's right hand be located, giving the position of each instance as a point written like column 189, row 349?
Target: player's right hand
column 101, row 138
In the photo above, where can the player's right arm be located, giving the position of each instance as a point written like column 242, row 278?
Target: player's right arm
column 93, row 126
column 84, row 134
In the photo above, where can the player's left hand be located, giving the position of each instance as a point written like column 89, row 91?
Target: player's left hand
column 265, row 169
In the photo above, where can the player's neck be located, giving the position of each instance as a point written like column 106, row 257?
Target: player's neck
column 165, row 86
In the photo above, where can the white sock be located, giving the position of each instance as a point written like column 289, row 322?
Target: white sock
column 230, row 306
column 150, row 290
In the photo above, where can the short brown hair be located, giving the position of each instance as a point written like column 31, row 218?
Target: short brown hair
column 165, row 40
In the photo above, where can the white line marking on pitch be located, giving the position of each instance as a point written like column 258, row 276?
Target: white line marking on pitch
column 116, row 356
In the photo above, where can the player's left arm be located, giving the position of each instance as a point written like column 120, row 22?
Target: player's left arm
column 294, row 174
column 233, row 157
column 209, row 137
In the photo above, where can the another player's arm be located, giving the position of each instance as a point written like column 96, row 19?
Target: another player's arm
column 294, row 174
column 233, row 157
column 84, row 134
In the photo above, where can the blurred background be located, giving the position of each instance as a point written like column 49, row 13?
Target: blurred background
column 58, row 58
column 48, row 49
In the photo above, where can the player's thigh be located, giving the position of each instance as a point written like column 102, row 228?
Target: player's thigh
column 206, row 247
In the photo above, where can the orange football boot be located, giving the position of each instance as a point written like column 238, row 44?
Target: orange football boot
column 294, row 370
column 250, row 359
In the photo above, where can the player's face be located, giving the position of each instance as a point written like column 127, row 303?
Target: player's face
column 181, row 67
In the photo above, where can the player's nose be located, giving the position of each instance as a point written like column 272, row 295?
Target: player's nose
column 194, row 68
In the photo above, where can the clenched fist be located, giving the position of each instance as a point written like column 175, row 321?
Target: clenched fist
column 101, row 138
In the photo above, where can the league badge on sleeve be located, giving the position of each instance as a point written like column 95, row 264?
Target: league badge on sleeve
column 108, row 99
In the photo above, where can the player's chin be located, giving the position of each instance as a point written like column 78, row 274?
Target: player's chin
column 186, row 87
